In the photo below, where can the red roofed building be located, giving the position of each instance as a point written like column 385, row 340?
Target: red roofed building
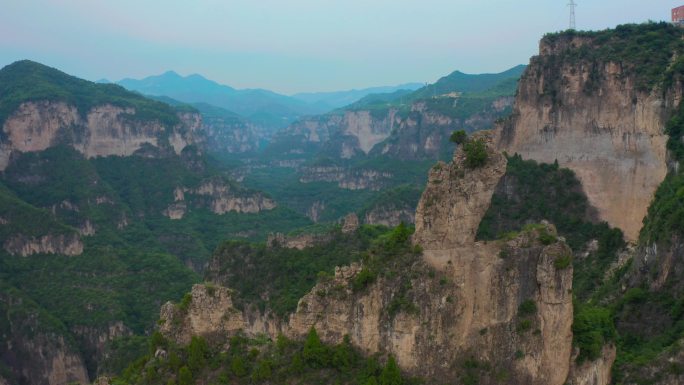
column 678, row 15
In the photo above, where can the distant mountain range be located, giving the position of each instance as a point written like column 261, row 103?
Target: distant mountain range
column 338, row 99
column 262, row 107
column 458, row 81
column 471, row 85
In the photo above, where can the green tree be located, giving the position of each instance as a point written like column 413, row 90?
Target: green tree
column 282, row 343
column 391, row 375
column 174, row 361
column 342, row 354
column 592, row 328
column 262, row 371
column 184, row 376
column 197, row 354
column 315, row 353
column 458, row 137
column 297, row 365
column 476, row 153
column 157, row 340
column 371, row 381
column 399, row 236
column 238, row 366
column 373, row 367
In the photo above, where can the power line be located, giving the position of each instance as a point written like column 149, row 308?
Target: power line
column 572, row 6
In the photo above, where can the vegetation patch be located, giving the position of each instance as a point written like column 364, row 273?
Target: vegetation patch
column 562, row 262
column 255, row 361
column 286, row 275
column 527, row 308
column 592, row 328
column 645, row 50
column 26, row 81
column 539, row 191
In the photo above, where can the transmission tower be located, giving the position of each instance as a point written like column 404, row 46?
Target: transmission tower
column 572, row 6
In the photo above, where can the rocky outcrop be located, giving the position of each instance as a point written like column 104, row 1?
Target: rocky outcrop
column 35, row 350
column 316, row 210
column 422, row 132
column 65, row 244
column 597, row 372
column 592, row 118
column 455, row 200
column 462, row 301
column 230, row 134
column 467, row 311
column 104, row 130
column 346, row 178
column 350, row 223
column 208, row 312
column 470, row 310
column 299, row 242
column 389, row 216
column 220, row 197
column 352, row 132
column 94, row 341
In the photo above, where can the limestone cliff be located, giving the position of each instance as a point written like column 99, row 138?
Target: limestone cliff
column 104, row 130
column 95, row 342
column 34, row 346
column 299, row 242
column 418, row 132
column 390, row 217
column 455, row 200
column 594, row 118
column 352, row 131
column 507, row 305
column 219, row 196
column 66, row 244
column 596, row 372
column 350, row 179
column 229, row 133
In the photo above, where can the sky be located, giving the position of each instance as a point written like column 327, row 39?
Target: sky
column 294, row 46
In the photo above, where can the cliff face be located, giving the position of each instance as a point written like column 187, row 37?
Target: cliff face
column 597, row 372
column 424, row 132
column 455, row 200
column 218, row 196
column 104, row 130
column 351, row 132
column 69, row 244
column 593, row 118
column 389, row 216
column 33, row 348
column 230, row 135
column 474, row 315
column 506, row 305
column 350, row 179
column 418, row 133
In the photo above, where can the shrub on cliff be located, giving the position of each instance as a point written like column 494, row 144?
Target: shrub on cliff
column 198, row 350
column 262, row 361
column 458, row 137
column 391, row 375
column 315, row 353
column 476, row 153
column 592, row 328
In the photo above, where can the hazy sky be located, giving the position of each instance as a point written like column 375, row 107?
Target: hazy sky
column 296, row 45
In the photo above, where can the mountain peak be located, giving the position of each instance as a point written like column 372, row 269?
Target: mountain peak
column 170, row 74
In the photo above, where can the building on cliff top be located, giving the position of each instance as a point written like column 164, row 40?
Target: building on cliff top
column 678, row 15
